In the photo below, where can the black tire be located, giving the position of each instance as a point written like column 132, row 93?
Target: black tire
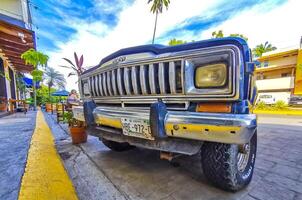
column 220, row 164
column 116, row 146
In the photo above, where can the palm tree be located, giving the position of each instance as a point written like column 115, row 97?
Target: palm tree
column 157, row 7
column 218, row 34
column 263, row 48
column 54, row 78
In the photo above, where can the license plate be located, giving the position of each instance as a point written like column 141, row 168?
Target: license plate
column 137, row 128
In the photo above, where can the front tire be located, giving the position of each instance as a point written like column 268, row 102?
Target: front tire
column 116, row 146
column 229, row 166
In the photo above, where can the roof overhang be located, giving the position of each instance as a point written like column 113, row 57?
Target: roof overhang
column 278, row 54
column 15, row 40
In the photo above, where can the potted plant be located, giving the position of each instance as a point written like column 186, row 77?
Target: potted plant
column 3, row 104
column 76, row 67
column 76, row 129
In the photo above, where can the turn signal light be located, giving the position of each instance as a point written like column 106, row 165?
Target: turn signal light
column 214, row 107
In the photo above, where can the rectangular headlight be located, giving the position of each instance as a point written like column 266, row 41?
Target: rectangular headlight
column 214, row 75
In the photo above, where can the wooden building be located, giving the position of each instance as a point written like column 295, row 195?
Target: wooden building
column 16, row 37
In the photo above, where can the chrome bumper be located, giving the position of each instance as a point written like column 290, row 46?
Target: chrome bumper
column 223, row 128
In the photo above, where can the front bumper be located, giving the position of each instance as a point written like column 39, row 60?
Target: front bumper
column 223, row 128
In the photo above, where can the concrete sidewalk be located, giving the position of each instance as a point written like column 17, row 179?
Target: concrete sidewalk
column 99, row 173
column 15, row 135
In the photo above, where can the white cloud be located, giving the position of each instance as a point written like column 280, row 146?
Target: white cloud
column 135, row 27
column 280, row 26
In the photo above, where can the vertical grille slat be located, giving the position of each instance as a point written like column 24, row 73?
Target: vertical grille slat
column 161, row 78
column 143, row 77
column 96, row 81
column 100, row 85
column 152, row 79
column 113, row 81
column 172, row 79
column 119, row 81
column 134, row 80
column 127, row 81
column 104, row 84
column 91, row 86
column 109, row 83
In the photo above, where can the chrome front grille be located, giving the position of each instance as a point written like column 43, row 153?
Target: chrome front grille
column 161, row 78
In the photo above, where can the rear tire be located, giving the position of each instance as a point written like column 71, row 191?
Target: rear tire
column 116, row 146
column 229, row 166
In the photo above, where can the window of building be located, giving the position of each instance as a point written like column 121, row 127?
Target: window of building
column 285, row 74
column 265, row 64
column 260, row 76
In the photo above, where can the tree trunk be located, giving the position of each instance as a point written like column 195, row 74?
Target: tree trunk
column 35, row 94
column 49, row 93
column 155, row 24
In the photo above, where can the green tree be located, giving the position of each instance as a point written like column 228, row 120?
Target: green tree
column 218, row 34
column 54, row 78
column 239, row 35
column 42, row 95
column 20, row 84
column 174, row 42
column 36, row 59
column 263, row 48
column 157, row 7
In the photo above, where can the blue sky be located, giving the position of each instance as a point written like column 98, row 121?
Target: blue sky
column 96, row 28
column 51, row 18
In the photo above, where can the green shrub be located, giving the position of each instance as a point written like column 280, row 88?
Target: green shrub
column 261, row 106
column 280, row 105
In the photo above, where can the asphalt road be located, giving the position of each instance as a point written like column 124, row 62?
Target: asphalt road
column 99, row 173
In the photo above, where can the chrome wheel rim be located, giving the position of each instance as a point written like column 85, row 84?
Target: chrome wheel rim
column 243, row 156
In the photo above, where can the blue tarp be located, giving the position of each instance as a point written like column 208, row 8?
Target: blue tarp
column 61, row 93
column 29, row 82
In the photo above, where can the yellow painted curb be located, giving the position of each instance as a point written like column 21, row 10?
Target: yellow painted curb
column 45, row 176
column 278, row 112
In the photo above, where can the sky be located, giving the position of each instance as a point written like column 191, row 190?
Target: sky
column 97, row 28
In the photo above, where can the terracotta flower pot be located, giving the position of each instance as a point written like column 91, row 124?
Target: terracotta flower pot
column 48, row 107
column 78, row 135
column 3, row 107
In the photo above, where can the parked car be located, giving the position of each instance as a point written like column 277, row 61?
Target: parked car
column 184, row 99
column 295, row 101
column 267, row 99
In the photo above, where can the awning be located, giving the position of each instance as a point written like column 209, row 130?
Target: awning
column 61, row 93
column 15, row 40
column 29, row 82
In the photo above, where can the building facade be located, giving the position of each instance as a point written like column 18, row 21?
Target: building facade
column 278, row 74
column 16, row 37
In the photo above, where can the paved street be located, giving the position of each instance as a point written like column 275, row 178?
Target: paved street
column 15, row 136
column 99, row 173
